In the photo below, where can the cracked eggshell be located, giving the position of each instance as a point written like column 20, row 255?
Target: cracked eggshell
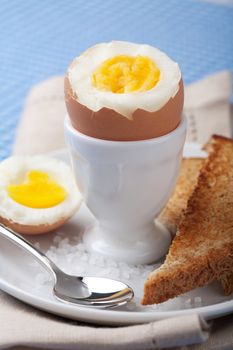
column 107, row 124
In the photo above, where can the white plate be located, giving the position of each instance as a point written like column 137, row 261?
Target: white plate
column 24, row 279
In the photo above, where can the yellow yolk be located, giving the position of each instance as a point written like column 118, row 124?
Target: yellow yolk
column 38, row 191
column 124, row 74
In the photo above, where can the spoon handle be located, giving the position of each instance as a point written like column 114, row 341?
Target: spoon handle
column 28, row 247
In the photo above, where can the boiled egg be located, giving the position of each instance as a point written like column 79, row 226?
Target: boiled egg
column 37, row 193
column 124, row 91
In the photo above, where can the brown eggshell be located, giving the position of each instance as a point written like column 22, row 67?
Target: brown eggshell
column 32, row 229
column 107, row 124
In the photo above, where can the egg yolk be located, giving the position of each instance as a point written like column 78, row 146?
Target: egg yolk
column 124, row 74
column 38, row 191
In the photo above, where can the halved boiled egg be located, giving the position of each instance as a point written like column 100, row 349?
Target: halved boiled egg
column 37, row 193
column 124, row 91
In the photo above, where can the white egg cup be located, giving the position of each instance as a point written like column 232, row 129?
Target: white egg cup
column 125, row 185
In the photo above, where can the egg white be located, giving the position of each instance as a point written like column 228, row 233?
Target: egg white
column 13, row 171
column 80, row 72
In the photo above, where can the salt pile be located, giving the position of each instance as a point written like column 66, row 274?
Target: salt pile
column 71, row 256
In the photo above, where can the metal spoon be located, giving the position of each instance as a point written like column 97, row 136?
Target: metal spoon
column 84, row 291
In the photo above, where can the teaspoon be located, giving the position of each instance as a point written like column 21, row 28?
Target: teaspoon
column 84, row 291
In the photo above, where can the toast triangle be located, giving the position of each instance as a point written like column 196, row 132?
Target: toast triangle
column 202, row 250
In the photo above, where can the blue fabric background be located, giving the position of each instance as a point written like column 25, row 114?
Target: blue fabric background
column 38, row 39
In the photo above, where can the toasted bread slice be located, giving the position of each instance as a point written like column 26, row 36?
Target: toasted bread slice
column 187, row 180
column 202, row 250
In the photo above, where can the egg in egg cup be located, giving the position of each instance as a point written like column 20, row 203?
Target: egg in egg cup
column 125, row 133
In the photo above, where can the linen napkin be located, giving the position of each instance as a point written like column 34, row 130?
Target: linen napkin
column 21, row 324
column 41, row 130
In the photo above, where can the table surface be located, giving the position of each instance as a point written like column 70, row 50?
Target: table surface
column 39, row 38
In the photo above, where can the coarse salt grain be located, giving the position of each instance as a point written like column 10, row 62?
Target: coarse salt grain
column 198, row 301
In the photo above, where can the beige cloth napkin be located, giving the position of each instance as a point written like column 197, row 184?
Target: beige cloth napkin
column 41, row 130
column 21, row 324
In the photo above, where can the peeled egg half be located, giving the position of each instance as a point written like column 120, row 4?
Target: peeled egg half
column 124, row 91
column 37, row 194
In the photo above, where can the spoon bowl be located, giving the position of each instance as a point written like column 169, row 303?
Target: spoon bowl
column 91, row 291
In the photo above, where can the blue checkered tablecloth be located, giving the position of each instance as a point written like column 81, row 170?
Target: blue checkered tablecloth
column 39, row 38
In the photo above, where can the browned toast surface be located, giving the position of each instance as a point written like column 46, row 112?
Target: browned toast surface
column 186, row 182
column 202, row 251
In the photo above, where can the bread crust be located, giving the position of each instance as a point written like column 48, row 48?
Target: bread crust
column 226, row 280
column 202, row 251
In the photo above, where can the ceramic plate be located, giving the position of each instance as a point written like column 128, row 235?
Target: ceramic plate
column 23, row 278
